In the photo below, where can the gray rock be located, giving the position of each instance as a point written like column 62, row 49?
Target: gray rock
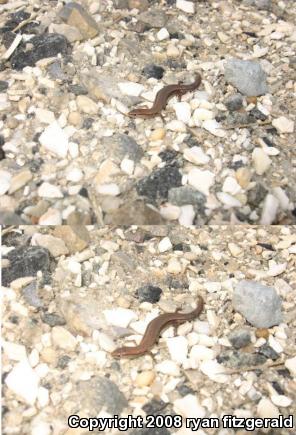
column 234, row 102
column 239, row 338
column 30, row 294
column 258, row 303
column 186, row 195
column 247, row 76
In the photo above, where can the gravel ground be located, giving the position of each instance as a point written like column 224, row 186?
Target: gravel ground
column 70, row 73
column 71, row 296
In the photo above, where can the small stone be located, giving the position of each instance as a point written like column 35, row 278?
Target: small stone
column 269, row 210
column 247, row 76
column 189, row 407
column 228, row 200
column 201, row 114
column 5, row 178
column 75, row 15
column 120, row 317
column 51, row 217
column 149, row 293
column 261, row 161
column 291, row 365
column 259, row 304
column 266, row 409
column 243, row 176
column 131, row 88
column 74, row 174
column 240, row 338
column 170, row 212
column 45, row 116
column 54, row 139
column 212, row 286
column 177, row 126
column 63, row 338
column 281, row 400
column 185, row 6
column 111, row 189
column 162, row 34
column 183, row 111
column 55, row 246
column 20, row 180
column 201, row 353
column 187, row 215
column 157, row 134
column 86, row 105
column 234, row 102
column 214, row 371
column 201, row 180
column 145, row 378
column 283, row 124
column 75, row 118
column 173, row 51
column 23, row 381
column 127, row 166
column 14, row 351
column 174, row 266
column 164, row 245
column 196, row 155
column 168, row 367
column 212, row 126
column 47, row 190
column 234, row 249
column 231, row 186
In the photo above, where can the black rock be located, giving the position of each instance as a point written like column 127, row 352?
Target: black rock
column 25, row 261
column 268, row 352
column 159, row 182
column 257, row 114
column 53, row 319
column 239, row 338
column 149, row 293
column 154, row 71
column 46, row 45
column 234, row 102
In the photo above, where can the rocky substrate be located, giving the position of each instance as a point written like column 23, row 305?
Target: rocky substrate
column 72, row 295
column 69, row 73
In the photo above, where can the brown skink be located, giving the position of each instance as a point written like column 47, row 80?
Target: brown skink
column 154, row 329
column 162, row 97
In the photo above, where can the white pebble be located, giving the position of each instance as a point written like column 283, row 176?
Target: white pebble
column 183, row 111
column 231, row 186
column 176, row 125
column 74, row 174
column 174, row 266
column 23, row 381
column 269, row 210
column 111, row 189
column 213, row 127
column 63, row 339
column 5, row 178
column 189, row 407
column 261, row 161
column 214, row 371
column 283, row 124
column 201, row 353
column 187, row 215
column 131, row 88
column 201, row 180
column 201, row 114
column 168, row 367
column 228, row 200
column 105, row 342
column 281, row 400
column 47, row 190
column 185, row 6
column 282, row 197
column 45, row 116
column 213, row 287
column 120, row 317
column 55, row 140
column 170, row 212
column 42, row 397
column 14, row 351
column 196, row 155
column 162, row 34
column 178, row 348
column 127, row 166
column 266, row 409
column 291, row 365
column 165, row 245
